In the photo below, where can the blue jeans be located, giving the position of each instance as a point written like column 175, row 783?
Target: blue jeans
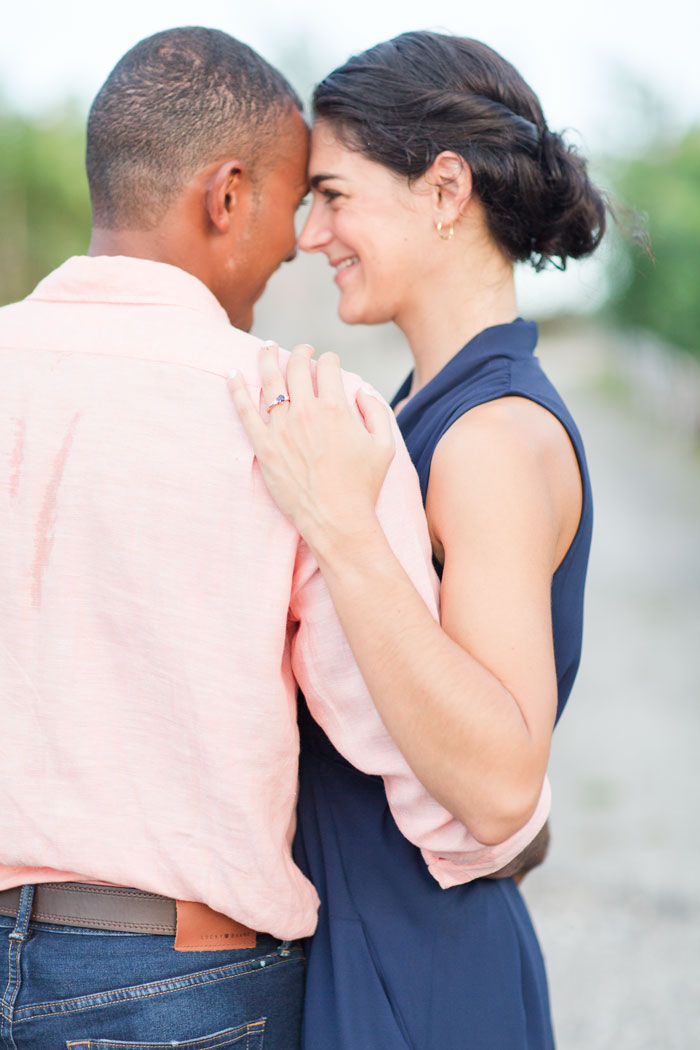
column 66, row 988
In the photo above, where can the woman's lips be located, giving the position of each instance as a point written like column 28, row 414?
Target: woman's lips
column 343, row 265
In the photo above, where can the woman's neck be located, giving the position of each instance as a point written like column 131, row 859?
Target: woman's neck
column 453, row 307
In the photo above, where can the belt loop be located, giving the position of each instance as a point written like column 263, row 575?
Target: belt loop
column 24, row 911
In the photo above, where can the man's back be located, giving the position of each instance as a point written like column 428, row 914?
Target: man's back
column 146, row 581
column 157, row 611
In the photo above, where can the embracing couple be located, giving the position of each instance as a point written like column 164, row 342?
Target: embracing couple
column 189, row 587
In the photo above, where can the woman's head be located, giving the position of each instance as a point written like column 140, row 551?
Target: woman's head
column 405, row 102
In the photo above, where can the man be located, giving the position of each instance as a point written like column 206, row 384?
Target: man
column 156, row 610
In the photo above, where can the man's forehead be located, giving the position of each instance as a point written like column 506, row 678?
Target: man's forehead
column 295, row 128
column 293, row 156
column 294, row 133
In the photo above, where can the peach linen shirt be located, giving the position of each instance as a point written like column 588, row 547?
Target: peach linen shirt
column 157, row 612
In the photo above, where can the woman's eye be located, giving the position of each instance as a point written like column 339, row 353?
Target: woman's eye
column 330, row 195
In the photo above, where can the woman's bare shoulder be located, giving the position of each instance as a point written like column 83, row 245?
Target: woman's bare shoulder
column 507, row 457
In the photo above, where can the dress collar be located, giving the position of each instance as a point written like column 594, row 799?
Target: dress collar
column 514, row 340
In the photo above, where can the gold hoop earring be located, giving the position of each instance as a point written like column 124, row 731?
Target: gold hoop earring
column 445, row 234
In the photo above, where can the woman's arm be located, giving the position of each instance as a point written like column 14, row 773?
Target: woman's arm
column 470, row 704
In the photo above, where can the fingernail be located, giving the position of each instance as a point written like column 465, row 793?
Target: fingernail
column 269, row 342
column 233, row 373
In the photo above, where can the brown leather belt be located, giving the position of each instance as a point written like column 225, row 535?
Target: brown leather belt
column 196, row 927
column 98, row 907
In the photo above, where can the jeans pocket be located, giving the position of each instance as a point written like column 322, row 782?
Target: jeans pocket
column 245, row 1037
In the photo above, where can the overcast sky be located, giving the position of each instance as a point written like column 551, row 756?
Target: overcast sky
column 573, row 54
column 583, row 59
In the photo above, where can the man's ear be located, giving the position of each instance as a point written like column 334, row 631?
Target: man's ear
column 228, row 189
column 451, row 179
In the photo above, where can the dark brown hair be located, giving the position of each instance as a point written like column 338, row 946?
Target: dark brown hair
column 175, row 102
column 407, row 100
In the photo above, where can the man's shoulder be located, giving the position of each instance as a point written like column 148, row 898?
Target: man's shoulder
column 150, row 327
column 214, row 346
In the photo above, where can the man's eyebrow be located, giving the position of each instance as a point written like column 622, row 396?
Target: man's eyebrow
column 316, row 180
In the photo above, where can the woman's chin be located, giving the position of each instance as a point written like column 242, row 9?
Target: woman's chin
column 356, row 313
column 348, row 313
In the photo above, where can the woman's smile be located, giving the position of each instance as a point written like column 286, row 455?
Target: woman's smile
column 342, row 266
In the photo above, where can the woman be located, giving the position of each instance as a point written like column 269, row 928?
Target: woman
column 433, row 172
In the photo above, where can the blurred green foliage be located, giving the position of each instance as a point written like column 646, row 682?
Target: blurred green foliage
column 44, row 203
column 663, row 295
column 45, row 217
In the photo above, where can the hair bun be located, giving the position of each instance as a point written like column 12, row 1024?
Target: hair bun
column 572, row 216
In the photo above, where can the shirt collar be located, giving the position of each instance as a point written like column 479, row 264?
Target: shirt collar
column 124, row 279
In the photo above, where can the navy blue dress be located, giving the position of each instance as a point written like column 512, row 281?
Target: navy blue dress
column 396, row 962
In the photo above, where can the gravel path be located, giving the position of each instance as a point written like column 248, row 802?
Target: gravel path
column 617, row 904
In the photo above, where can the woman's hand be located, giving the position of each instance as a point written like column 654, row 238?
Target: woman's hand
column 470, row 704
column 323, row 465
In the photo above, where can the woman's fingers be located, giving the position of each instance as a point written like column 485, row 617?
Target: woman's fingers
column 376, row 416
column 299, row 379
column 321, row 464
column 329, row 380
column 274, row 384
column 247, row 411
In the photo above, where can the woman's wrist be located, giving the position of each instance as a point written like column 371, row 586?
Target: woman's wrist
column 337, row 542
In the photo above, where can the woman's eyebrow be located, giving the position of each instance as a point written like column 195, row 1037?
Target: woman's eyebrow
column 316, row 180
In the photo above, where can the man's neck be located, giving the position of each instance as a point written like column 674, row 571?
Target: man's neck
column 137, row 244
column 170, row 246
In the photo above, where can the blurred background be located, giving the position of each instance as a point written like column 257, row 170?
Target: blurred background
column 617, row 904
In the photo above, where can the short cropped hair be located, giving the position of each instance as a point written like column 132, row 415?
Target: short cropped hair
column 176, row 102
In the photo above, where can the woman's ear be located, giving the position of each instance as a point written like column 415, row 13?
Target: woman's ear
column 228, row 189
column 451, row 180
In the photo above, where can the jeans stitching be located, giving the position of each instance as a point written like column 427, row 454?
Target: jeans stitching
column 25, row 922
column 14, row 975
column 246, row 1030
column 79, row 931
column 120, row 995
column 6, row 998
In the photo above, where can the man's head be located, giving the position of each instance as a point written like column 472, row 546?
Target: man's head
column 196, row 155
